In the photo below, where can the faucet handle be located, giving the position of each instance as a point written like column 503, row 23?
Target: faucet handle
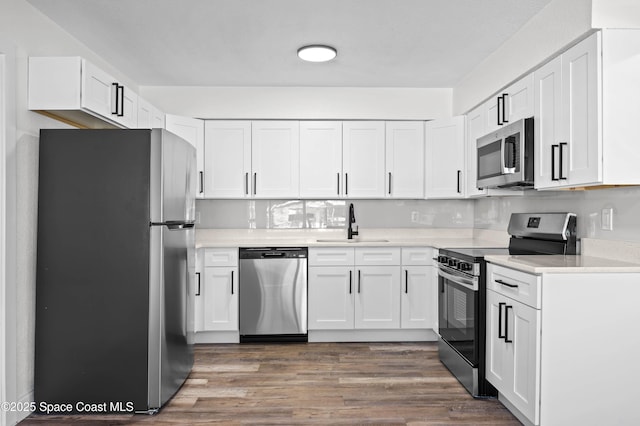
column 355, row 232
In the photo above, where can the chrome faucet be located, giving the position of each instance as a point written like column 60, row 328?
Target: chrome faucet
column 352, row 220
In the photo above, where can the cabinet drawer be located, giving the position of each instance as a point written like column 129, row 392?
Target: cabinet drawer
column 331, row 256
column 517, row 285
column 221, row 257
column 378, row 256
column 418, row 256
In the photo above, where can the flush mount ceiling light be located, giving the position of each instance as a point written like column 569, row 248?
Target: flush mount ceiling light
column 317, row 53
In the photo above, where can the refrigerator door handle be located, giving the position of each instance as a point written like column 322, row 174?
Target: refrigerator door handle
column 175, row 225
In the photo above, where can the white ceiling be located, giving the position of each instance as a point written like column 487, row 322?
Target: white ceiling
column 380, row 43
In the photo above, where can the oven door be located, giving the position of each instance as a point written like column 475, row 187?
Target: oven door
column 458, row 312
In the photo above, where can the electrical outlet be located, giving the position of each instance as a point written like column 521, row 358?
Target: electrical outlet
column 607, row 219
column 415, row 217
column 197, row 217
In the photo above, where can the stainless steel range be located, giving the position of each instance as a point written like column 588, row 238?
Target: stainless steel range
column 462, row 291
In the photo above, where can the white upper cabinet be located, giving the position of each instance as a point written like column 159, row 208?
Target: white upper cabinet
column 364, row 159
column 405, row 159
column 320, row 159
column 475, row 129
column 584, row 114
column 445, row 159
column 275, row 159
column 191, row 130
column 227, row 158
column 511, row 104
column 149, row 117
column 77, row 91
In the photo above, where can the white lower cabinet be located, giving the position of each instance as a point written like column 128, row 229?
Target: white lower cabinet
column 216, row 306
column 370, row 288
column 378, row 297
column 331, row 297
column 513, row 365
column 581, row 367
column 417, row 297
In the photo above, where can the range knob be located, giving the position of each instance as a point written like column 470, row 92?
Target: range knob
column 453, row 263
column 464, row 266
column 443, row 259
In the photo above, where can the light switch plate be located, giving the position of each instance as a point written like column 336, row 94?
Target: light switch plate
column 607, row 219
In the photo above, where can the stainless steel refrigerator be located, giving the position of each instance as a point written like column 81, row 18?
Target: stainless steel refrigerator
column 115, row 269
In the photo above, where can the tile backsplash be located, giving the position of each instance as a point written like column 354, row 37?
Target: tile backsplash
column 494, row 213
column 485, row 213
column 321, row 214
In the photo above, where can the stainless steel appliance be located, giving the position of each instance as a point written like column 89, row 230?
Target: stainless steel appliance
column 115, row 265
column 462, row 291
column 505, row 157
column 273, row 294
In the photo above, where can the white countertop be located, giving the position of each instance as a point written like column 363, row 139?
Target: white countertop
column 538, row 264
column 401, row 237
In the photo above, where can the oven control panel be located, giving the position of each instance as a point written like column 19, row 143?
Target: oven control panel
column 459, row 265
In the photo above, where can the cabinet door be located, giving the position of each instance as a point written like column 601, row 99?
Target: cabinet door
column 475, row 129
column 498, row 364
column 513, row 352
column 377, row 304
column 418, row 302
column 227, row 159
column 519, row 100
column 125, row 102
column 198, row 306
column 191, row 130
column 363, row 159
column 405, row 159
column 444, row 161
column 581, row 74
column 331, row 298
column 220, row 298
column 145, row 114
column 492, row 113
column 320, row 159
column 97, row 90
column 548, row 123
column 523, row 329
column 275, row 159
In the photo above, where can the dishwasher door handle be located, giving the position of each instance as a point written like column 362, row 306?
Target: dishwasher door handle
column 273, row 255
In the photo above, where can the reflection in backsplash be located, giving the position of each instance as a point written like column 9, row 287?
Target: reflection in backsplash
column 327, row 214
column 494, row 213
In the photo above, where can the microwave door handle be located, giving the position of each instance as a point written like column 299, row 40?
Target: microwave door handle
column 509, row 157
column 502, row 155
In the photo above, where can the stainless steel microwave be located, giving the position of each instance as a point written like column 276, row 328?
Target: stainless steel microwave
column 505, row 157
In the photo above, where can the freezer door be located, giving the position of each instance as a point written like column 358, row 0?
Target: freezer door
column 173, row 178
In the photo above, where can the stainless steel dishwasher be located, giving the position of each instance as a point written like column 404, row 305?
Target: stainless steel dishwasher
column 273, row 294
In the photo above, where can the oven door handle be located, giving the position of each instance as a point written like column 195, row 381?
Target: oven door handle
column 470, row 283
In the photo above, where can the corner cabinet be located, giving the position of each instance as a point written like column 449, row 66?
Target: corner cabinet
column 583, row 138
column 191, row 130
column 549, row 376
column 80, row 93
column 445, row 171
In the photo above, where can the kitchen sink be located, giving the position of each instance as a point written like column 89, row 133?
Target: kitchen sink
column 354, row 240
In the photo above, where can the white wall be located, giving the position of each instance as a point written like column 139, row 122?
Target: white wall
column 301, row 102
column 554, row 27
column 24, row 32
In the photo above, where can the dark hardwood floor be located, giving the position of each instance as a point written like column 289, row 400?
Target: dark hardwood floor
column 315, row 383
